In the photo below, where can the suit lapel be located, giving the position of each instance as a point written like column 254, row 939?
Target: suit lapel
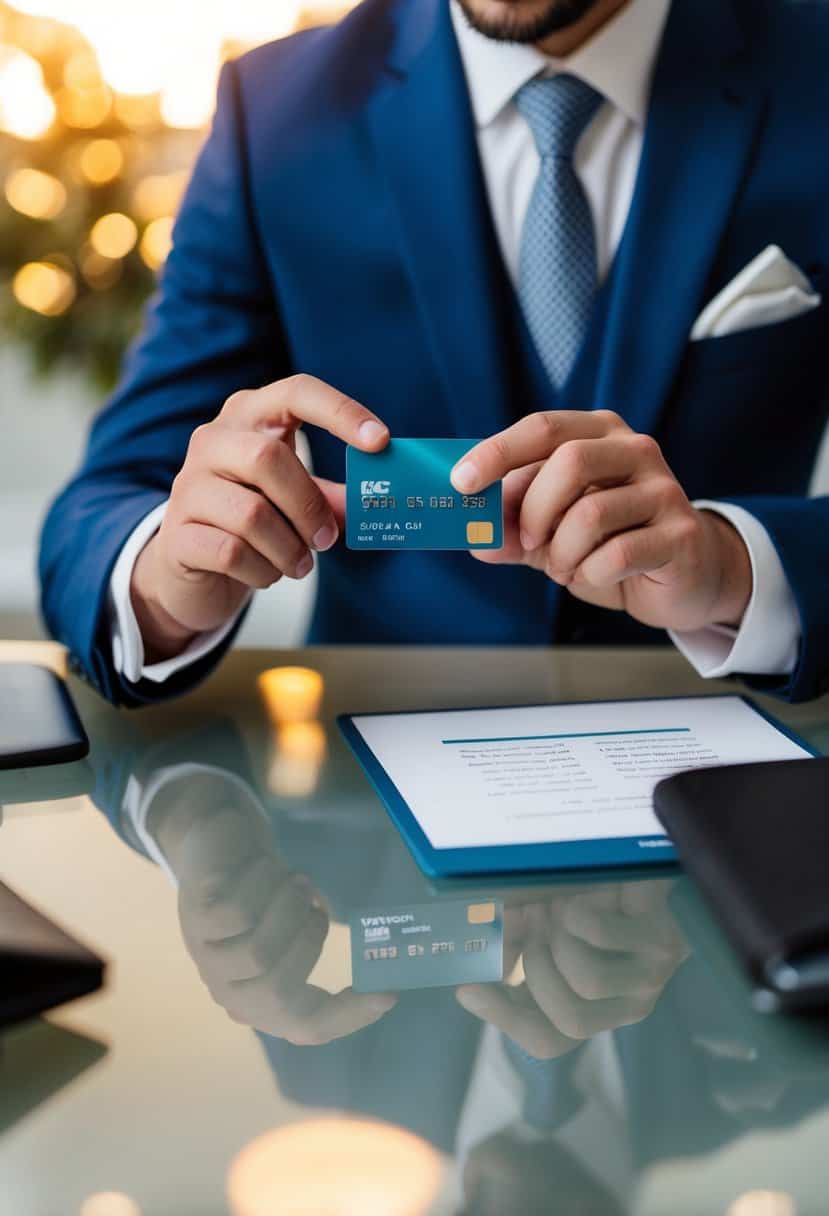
column 706, row 104
column 423, row 129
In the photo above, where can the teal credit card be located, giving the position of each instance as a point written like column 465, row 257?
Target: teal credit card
column 447, row 942
column 402, row 498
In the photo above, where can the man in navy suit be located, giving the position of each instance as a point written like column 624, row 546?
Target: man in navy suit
column 494, row 218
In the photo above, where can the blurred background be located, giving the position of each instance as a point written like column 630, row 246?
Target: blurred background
column 103, row 106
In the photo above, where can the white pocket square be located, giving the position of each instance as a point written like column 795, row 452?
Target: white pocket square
column 769, row 290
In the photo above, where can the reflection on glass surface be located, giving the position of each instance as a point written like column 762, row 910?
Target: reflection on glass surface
column 109, row 1203
column 763, row 1203
column 335, row 1166
column 592, row 960
column 297, row 755
column 620, row 1040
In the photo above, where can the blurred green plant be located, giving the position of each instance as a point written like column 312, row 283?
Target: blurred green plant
column 72, row 289
column 89, row 182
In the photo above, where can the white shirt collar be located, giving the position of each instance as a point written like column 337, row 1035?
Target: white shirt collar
column 618, row 61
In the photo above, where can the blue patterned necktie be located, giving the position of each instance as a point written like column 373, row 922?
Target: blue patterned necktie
column 557, row 273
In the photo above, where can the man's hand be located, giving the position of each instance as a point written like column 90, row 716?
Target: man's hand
column 243, row 511
column 594, row 505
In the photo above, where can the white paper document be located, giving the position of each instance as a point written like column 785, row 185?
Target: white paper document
column 552, row 773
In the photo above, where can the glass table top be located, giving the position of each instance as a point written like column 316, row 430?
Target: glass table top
column 223, row 858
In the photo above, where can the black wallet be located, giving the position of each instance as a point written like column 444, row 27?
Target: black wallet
column 41, row 966
column 755, row 839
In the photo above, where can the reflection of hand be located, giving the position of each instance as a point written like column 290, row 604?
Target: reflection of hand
column 593, row 960
column 254, row 929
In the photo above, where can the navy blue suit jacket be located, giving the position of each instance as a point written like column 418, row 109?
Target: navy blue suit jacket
column 337, row 224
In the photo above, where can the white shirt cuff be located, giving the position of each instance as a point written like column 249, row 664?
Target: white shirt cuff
column 127, row 643
column 138, row 801
column 766, row 642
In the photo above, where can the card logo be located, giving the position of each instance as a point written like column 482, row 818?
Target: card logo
column 372, row 922
column 369, row 488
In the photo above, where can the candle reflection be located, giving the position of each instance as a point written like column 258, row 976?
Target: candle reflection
column 109, row 1203
column 335, row 1167
column 298, row 754
column 763, row 1203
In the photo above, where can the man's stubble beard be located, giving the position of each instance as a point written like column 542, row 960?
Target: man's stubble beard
column 514, row 26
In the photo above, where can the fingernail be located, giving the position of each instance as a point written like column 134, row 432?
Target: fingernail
column 371, row 433
column 528, row 542
column 324, row 538
column 465, row 476
column 305, row 566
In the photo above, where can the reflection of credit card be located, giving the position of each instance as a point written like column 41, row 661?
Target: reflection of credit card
column 427, row 945
column 402, row 498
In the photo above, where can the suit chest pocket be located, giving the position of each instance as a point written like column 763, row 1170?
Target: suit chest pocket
column 779, row 351
column 748, row 410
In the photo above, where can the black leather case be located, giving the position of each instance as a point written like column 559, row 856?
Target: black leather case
column 755, row 838
column 38, row 720
column 40, row 965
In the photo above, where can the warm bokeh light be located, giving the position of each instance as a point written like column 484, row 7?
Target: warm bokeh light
column 335, row 1167
column 188, row 93
column 109, row 1203
column 296, row 761
column 26, row 108
column 104, row 105
column 38, row 195
column 139, row 49
column 159, row 195
column 44, row 287
column 291, row 694
column 99, row 272
column 258, row 20
column 137, row 113
column 84, row 109
column 763, row 1203
column 81, row 72
column 302, row 740
column 138, row 52
column 101, row 161
column 114, row 235
column 157, row 242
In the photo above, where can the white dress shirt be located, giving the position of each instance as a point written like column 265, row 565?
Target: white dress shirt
column 618, row 62
column 494, row 1102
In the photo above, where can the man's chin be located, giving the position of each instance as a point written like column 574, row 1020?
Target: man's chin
column 524, row 20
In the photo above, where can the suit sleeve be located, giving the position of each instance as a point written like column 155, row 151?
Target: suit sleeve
column 799, row 530
column 212, row 329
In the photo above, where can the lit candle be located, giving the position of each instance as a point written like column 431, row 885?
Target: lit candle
column 291, row 694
